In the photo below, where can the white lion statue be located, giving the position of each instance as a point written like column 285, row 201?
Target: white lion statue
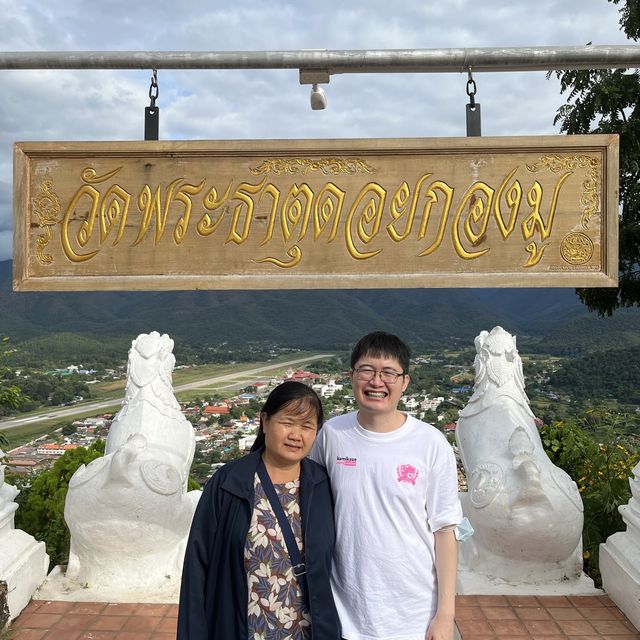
column 526, row 512
column 129, row 512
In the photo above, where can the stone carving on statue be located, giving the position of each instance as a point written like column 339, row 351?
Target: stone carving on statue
column 129, row 512
column 526, row 512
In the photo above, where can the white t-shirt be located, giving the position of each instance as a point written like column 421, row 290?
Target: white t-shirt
column 392, row 491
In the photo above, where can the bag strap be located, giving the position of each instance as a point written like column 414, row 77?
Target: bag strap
column 299, row 568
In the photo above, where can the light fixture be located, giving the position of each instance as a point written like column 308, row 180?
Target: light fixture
column 314, row 77
column 318, row 98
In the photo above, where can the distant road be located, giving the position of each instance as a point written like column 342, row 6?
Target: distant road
column 245, row 375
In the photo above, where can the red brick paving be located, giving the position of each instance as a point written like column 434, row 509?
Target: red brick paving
column 477, row 618
column 58, row 620
column 542, row 618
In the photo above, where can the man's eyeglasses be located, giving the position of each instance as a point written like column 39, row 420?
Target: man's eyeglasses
column 366, row 374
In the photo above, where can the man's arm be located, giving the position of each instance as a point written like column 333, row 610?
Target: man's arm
column 446, row 550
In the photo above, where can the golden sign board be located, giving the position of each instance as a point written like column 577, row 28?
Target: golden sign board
column 271, row 214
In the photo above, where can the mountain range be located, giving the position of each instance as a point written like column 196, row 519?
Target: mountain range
column 549, row 320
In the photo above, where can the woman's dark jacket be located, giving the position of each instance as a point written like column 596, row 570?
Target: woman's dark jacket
column 214, row 595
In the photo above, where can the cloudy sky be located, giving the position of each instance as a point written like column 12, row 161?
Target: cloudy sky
column 209, row 104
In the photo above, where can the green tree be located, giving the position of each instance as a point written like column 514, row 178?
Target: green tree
column 193, row 484
column 606, row 101
column 42, row 513
column 231, row 453
column 68, row 429
column 597, row 455
column 61, row 395
column 11, row 398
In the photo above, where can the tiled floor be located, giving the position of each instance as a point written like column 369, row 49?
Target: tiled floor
column 478, row 618
column 546, row 617
column 57, row 620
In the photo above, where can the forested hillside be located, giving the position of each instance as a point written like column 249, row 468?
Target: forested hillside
column 605, row 374
column 95, row 325
column 593, row 333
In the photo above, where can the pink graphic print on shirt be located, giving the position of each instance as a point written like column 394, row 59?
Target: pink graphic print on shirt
column 407, row 473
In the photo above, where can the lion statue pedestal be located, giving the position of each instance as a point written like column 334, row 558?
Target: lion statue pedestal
column 23, row 560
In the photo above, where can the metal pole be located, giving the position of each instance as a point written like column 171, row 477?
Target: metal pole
column 340, row 61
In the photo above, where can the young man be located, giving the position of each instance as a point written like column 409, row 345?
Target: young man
column 395, row 485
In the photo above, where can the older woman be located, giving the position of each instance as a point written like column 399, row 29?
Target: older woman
column 242, row 579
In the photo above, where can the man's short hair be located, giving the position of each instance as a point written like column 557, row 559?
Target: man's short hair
column 382, row 344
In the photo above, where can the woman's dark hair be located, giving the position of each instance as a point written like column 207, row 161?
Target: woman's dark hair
column 287, row 393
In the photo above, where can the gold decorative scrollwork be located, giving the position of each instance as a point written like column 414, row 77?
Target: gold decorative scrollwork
column 535, row 254
column 90, row 175
column 328, row 166
column 46, row 206
column 590, row 196
column 576, row 248
column 294, row 253
column 41, row 242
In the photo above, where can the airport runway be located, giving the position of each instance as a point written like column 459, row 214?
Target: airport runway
column 236, row 380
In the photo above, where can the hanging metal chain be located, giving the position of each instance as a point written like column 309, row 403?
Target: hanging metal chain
column 473, row 108
column 152, row 113
column 153, row 89
column 471, row 89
